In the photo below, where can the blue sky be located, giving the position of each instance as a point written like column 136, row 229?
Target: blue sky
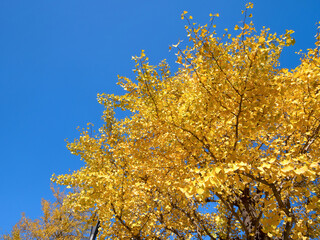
column 55, row 56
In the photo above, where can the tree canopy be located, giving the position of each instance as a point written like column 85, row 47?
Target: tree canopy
column 58, row 222
column 226, row 147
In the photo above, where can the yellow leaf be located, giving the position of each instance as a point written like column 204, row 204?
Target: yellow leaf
column 272, row 160
column 261, row 39
column 227, row 170
column 287, row 169
column 314, row 165
column 235, row 167
column 200, row 191
column 261, row 169
column 249, row 5
column 301, row 170
column 285, row 162
column 266, row 165
column 184, row 13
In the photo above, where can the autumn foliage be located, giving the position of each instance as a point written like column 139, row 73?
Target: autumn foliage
column 58, row 222
column 227, row 147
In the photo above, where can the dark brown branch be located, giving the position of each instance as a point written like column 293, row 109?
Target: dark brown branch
column 311, row 140
column 286, row 208
column 203, row 225
column 234, row 213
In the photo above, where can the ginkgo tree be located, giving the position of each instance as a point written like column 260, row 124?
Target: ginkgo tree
column 58, row 222
column 227, row 147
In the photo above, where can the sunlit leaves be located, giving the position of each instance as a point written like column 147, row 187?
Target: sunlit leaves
column 230, row 130
column 249, row 5
column 58, row 222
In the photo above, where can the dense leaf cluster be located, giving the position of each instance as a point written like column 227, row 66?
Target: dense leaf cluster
column 227, row 147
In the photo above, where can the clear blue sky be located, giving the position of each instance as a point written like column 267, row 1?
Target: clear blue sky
column 55, row 56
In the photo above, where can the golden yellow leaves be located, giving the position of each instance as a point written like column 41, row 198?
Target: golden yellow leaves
column 290, row 168
column 58, row 221
column 287, row 168
column 249, row 5
column 229, row 125
column 261, row 39
column 200, row 191
column 142, row 56
column 183, row 14
column 214, row 15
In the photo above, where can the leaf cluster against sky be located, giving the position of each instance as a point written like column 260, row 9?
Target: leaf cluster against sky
column 56, row 56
